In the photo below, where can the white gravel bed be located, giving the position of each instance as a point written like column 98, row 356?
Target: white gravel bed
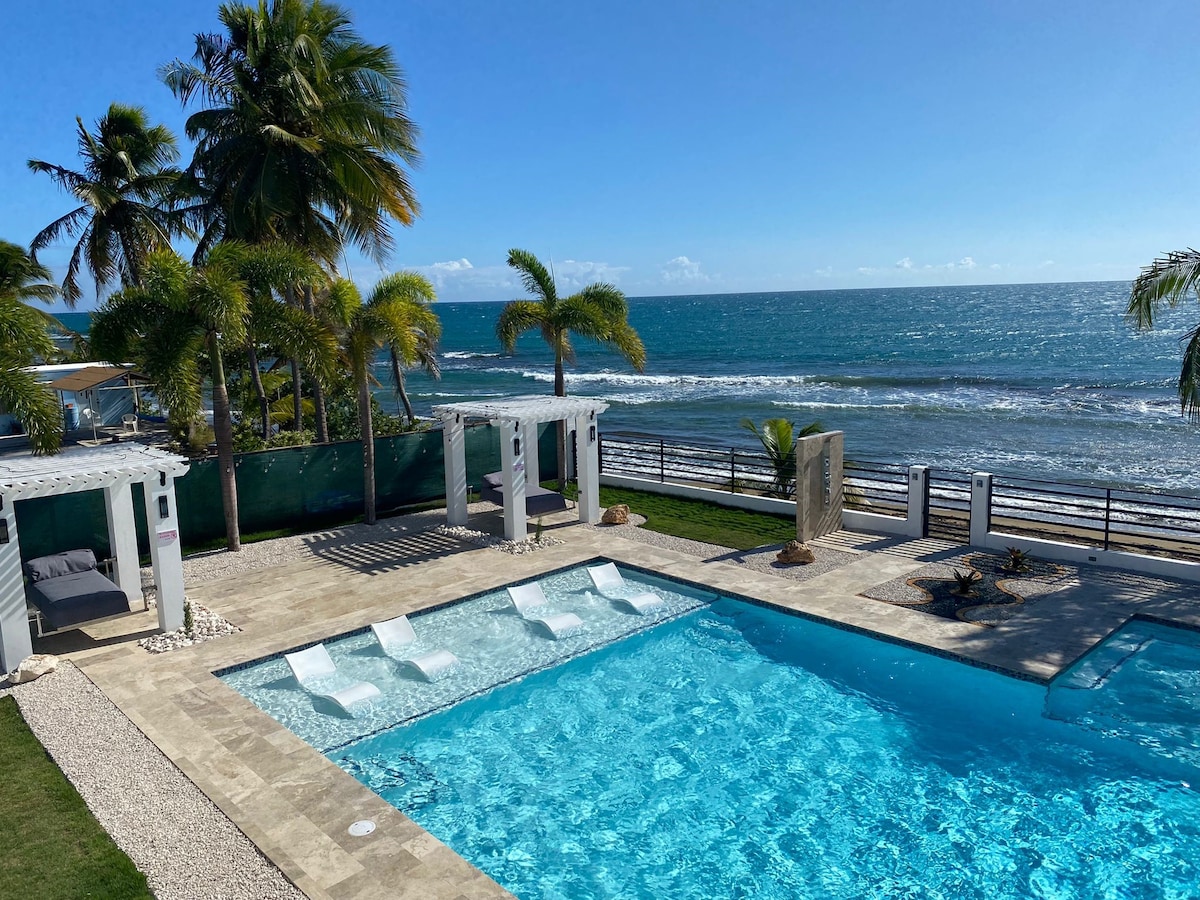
column 206, row 625
column 483, row 539
column 187, row 848
column 760, row 559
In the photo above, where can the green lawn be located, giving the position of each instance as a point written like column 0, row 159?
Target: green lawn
column 53, row 847
column 700, row 521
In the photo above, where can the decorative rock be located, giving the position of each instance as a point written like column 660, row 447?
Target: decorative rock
column 33, row 667
column 617, row 514
column 206, row 625
column 482, row 539
column 795, row 553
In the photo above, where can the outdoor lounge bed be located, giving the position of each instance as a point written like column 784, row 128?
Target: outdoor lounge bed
column 538, row 500
column 317, row 674
column 396, row 637
column 527, row 598
column 608, row 581
column 67, row 591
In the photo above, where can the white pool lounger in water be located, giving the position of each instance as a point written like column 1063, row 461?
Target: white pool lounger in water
column 528, row 597
column 396, row 636
column 611, row 584
column 314, row 670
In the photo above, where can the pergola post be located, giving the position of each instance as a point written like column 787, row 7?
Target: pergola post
column 512, row 471
column 16, row 642
column 587, row 463
column 162, row 523
column 122, row 539
column 455, row 451
column 533, row 471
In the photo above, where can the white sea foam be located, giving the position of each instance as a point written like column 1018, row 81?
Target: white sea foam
column 469, row 354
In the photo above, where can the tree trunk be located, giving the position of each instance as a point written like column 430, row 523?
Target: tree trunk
column 223, row 427
column 297, row 385
column 560, row 390
column 318, row 391
column 398, row 377
column 264, row 408
column 368, row 445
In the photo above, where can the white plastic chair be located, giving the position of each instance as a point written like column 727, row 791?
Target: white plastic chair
column 314, row 669
column 396, row 637
column 527, row 598
column 612, row 585
column 129, row 420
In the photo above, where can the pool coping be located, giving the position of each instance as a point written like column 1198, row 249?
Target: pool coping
column 295, row 804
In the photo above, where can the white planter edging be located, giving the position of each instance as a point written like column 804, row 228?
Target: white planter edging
column 708, row 495
column 1076, row 553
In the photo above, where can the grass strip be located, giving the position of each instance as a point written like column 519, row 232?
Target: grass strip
column 698, row 520
column 53, row 845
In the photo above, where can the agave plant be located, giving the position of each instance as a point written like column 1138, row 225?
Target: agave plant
column 965, row 582
column 1018, row 560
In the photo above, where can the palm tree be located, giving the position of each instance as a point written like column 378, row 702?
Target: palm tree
column 125, row 190
column 25, row 338
column 1168, row 280
column 176, row 317
column 304, row 139
column 778, row 438
column 397, row 314
column 599, row 313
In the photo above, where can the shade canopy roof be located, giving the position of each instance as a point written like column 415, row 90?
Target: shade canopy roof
column 523, row 409
column 85, row 469
column 91, row 376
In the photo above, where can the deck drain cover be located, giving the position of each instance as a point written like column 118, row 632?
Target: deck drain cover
column 362, row 828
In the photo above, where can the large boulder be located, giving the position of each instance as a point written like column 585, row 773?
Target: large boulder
column 617, row 514
column 32, row 667
column 795, row 553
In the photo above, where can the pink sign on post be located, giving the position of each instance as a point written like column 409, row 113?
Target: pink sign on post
column 167, row 536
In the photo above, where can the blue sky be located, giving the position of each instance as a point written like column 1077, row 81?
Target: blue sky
column 705, row 147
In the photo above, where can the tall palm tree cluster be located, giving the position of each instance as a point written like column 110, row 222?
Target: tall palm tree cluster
column 302, row 146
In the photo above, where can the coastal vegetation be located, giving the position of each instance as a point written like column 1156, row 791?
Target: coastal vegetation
column 1167, row 281
column 598, row 312
column 778, row 438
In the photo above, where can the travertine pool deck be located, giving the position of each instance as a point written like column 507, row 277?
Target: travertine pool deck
column 296, row 805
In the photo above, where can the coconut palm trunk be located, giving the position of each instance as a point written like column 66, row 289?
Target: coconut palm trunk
column 368, row 446
column 560, row 390
column 401, row 392
column 223, row 429
column 322, row 416
column 260, row 393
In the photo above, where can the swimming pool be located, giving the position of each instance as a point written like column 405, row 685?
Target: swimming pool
column 734, row 751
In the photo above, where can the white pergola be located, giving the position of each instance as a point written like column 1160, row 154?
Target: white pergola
column 113, row 469
column 518, row 419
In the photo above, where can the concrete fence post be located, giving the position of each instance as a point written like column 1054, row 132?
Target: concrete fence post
column 918, row 501
column 981, row 507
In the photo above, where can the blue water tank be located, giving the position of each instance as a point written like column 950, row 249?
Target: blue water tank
column 71, row 416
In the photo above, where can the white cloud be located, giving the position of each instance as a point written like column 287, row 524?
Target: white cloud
column 826, row 272
column 574, row 273
column 462, row 279
column 995, row 266
column 682, row 270
column 905, row 263
column 454, row 265
column 867, row 270
column 1047, row 264
column 966, row 263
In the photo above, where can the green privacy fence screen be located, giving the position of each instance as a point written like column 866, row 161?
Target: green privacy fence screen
column 294, row 488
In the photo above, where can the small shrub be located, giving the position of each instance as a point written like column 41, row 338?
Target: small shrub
column 291, row 439
column 189, row 621
column 1018, row 560
column 965, row 582
column 537, row 532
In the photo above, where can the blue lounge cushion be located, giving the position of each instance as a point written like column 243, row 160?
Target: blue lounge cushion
column 57, row 565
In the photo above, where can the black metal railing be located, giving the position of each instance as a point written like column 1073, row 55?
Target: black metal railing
column 880, row 488
column 658, row 459
column 1148, row 522
column 948, row 505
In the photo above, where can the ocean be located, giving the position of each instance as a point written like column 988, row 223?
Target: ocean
column 1042, row 381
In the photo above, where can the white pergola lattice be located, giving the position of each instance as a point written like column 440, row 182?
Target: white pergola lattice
column 113, row 469
column 518, row 419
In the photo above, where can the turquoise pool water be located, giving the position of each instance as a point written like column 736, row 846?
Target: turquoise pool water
column 734, row 751
column 738, row 752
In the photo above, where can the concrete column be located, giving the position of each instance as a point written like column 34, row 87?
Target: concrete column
column 16, row 642
column 918, row 495
column 122, row 540
column 162, row 523
column 512, row 470
column 587, row 457
column 529, row 438
column 981, row 507
column 818, row 485
column 454, row 450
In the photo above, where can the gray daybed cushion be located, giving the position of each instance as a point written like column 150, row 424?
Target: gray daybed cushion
column 67, row 589
column 538, row 500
